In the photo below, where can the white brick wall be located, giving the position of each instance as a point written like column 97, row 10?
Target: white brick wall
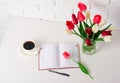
column 56, row 10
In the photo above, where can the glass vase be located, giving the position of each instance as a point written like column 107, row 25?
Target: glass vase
column 89, row 50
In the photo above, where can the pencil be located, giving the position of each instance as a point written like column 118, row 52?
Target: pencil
column 65, row 74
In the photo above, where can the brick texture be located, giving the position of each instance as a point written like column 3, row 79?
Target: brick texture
column 57, row 10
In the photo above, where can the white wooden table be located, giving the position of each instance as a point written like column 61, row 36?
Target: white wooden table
column 104, row 65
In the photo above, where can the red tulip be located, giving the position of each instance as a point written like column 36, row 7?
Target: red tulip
column 69, row 25
column 109, row 32
column 74, row 19
column 80, row 16
column 97, row 19
column 66, row 55
column 82, row 6
column 106, row 33
column 88, row 42
column 89, row 31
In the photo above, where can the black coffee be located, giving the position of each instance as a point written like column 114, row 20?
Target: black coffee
column 29, row 45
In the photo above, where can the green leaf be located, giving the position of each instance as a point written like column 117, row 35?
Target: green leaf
column 85, row 25
column 84, row 69
column 78, row 34
column 90, row 21
column 99, row 32
column 99, row 39
column 81, row 30
column 92, row 25
column 97, row 35
column 107, row 27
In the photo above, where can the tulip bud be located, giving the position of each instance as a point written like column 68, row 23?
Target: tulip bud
column 88, row 42
column 97, row 19
column 82, row 6
column 88, row 31
column 80, row 16
column 74, row 19
column 106, row 33
column 66, row 55
column 95, row 28
column 87, row 14
column 69, row 25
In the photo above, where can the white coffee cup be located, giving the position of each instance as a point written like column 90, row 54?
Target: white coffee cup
column 30, row 48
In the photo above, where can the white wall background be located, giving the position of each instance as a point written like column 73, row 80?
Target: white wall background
column 55, row 10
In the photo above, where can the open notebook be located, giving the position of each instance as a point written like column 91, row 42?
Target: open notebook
column 51, row 55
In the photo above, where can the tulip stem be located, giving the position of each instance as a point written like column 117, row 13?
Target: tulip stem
column 78, row 34
column 93, row 36
column 82, row 67
column 86, row 20
column 90, row 76
column 73, row 60
column 90, row 21
column 87, row 36
column 77, row 26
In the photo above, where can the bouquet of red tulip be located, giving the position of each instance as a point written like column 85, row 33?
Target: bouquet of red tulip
column 87, row 29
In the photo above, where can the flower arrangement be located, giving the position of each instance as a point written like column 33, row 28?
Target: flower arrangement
column 89, row 30
column 80, row 65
